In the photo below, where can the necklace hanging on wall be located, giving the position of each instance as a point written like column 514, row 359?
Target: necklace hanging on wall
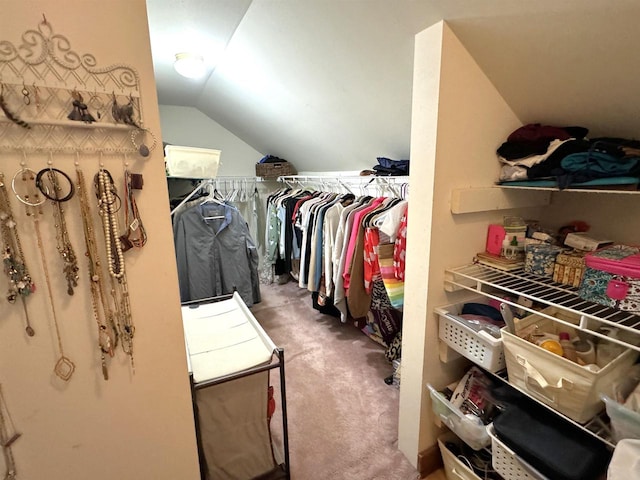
column 8, row 436
column 107, row 333
column 20, row 282
column 108, row 205
column 33, row 201
column 136, row 235
column 49, row 185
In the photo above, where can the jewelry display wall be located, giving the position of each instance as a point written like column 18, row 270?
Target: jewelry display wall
column 55, row 99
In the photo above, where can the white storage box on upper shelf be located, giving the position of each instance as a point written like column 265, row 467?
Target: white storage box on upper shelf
column 480, row 347
column 571, row 389
column 191, row 162
column 469, row 428
column 508, row 464
column 454, row 467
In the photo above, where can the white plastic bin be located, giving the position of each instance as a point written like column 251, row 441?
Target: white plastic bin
column 191, row 162
column 454, row 468
column 508, row 464
column 480, row 347
column 470, row 430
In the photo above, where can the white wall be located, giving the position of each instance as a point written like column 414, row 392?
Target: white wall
column 135, row 425
column 188, row 126
column 458, row 118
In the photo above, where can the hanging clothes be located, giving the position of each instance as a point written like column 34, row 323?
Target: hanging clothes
column 215, row 253
column 337, row 240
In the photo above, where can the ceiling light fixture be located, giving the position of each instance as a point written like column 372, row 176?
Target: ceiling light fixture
column 190, row 65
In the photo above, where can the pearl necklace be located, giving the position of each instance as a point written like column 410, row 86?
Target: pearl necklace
column 108, row 211
column 106, row 193
column 107, row 332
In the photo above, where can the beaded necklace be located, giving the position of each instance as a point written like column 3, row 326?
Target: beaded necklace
column 107, row 333
column 20, row 283
column 63, row 241
column 107, row 205
column 64, row 367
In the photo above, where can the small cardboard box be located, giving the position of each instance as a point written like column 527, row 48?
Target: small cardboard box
column 582, row 241
column 569, row 268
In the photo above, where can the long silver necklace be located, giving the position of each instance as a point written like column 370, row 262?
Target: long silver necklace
column 20, row 282
column 64, row 367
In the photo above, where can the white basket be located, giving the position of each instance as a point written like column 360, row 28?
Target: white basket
column 479, row 347
column 508, row 464
column 454, row 468
column 472, row 433
column 567, row 387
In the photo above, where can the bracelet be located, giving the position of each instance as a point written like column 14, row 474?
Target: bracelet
column 45, row 191
column 143, row 149
column 25, row 200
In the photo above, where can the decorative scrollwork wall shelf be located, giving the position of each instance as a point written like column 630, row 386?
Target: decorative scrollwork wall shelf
column 40, row 79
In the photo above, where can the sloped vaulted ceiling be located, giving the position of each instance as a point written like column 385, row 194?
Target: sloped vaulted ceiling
column 327, row 83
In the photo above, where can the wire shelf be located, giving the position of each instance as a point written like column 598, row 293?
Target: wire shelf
column 491, row 282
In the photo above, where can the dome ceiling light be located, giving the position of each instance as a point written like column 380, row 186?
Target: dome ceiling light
column 190, row 65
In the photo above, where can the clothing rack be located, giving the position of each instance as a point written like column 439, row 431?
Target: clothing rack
column 220, row 184
column 397, row 186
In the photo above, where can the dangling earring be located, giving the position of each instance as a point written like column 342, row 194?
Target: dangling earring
column 80, row 111
column 123, row 113
column 25, row 95
column 96, row 103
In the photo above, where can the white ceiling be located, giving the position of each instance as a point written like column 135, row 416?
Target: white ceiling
column 326, row 84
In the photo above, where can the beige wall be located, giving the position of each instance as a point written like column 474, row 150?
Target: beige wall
column 133, row 426
column 457, row 118
column 189, row 127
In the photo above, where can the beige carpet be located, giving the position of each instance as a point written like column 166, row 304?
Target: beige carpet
column 343, row 418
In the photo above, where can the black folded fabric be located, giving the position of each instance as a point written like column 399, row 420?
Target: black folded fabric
column 551, row 445
column 387, row 166
column 551, row 166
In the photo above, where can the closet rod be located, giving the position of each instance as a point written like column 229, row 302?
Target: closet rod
column 364, row 179
column 348, row 182
column 215, row 183
column 199, row 187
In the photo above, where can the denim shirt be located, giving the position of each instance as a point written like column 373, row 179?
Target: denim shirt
column 216, row 255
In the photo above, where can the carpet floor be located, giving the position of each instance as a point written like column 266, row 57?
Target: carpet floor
column 343, row 418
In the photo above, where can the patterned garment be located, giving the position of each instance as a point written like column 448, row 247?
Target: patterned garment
column 394, row 286
column 382, row 317
column 400, row 249
column 371, row 266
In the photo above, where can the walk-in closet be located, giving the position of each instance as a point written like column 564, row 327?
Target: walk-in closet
column 349, row 240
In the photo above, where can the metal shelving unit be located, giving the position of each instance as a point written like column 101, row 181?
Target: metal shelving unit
column 492, row 282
